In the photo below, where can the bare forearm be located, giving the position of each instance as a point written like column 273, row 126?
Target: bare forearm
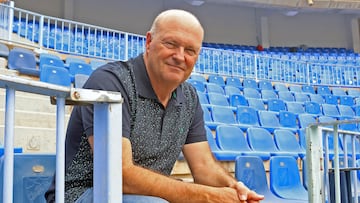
column 138, row 180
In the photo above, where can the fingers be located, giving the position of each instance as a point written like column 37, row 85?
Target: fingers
column 247, row 195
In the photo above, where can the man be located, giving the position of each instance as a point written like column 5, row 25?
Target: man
column 161, row 117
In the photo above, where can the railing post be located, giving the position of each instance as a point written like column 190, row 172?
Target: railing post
column 9, row 146
column 108, row 156
column 11, row 19
column 60, row 149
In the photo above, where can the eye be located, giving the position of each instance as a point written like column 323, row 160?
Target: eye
column 169, row 44
column 190, row 52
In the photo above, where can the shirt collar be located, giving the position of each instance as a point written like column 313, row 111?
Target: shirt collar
column 143, row 85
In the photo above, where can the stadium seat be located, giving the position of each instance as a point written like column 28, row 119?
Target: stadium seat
column 295, row 107
column 219, row 100
column 338, row 91
column 346, row 100
column 280, row 87
column 198, row 77
column 353, row 92
column 301, row 97
column 230, row 90
column 50, row 59
column 265, row 85
column 268, row 94
column 250, row 83
column 214, row 88
column 33, row 174
column 225, row 115
column 219, row 154
column 96, row 63
column 71, row 59
column 286, row 96
column 346, row 111
column 251, row 93
column 308, row 89
column 323, row 90
column 247, row 117
column 317, row 98
column 331, row 99
column 232, row 81
column 237, row 100
column 260, row 140
column 330, row 110
column 276, row 105
column 232, row 139
column 269, row 120
column 79, row 68
column 312, row 108
column 23, row 60
column 286, row 141
column 295, row 88
column 288, row 120
column 217, row 80
column 251, row 171
column 305, row 120
column 208, row 118
column 285, row 179
column 203, row 99
column 55, row 75
column 257, row 104
column 198, row 85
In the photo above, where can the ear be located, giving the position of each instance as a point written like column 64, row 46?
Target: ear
column 148, row 40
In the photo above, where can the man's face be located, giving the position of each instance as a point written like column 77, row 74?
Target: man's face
column 172, row 52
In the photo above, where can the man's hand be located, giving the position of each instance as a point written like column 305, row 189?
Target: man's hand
column 247, row 195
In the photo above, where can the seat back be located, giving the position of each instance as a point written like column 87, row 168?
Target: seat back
column 260, row 139
column 295, row 107
column 231, row 138
column 232, row 81
column 323, row 90
column 288, row 119
column 247, row 115
column 250, row 83
column 238, row 100
column 312, row 108
column 55, row 75
column 218, row 99
column 214, row 88
column 223, row 115
column 285, row 140
column 265, row 85
column 251, row 93
column 199, row 86
column 330, row 110
column 33, row 174
column 276, row 105
column 216, row 79
column 286, row 96
column 257, row 104
column 23, row 60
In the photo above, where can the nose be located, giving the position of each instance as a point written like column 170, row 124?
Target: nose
column 179, row 53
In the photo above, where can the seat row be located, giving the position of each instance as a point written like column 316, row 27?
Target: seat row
column 201, row 83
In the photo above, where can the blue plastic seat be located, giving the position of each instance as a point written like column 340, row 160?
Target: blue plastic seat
column 295, row 107
column 306, row 119
column 218, row 99
column 217, row 80
column 286, row 96
column 285, row 179
column 276, row 105
column 286, row 141
column 260, row 140
column 247, row 117
column 308, row 89
column 55, row 75
column 288, row 120
column 214, row 88
column 50, row 59
column 251, row 93
column 97, row 63
column 301, row 97
column 346, row 100
column 312, row 108
column 238, row 100
column 251, row 171
column 268, row 94
column 265, row 85
column 331, row 99
column 338, row 91
column 230, row 90
column 353, row 92
column 295, row 88
column 280, row 87
column 317, row 98
column 80, row 80
column 250, row 83
column 208, row 118
column 257, row 104
column 232, row 81
column 33, row 174
column 203, row 99
column 346, row 111
column 323, row 90
column 198, row 77
column 23, row 60
column 79, row 68
column 330, row 110
column 225, row 115
column 232, row 139
column 269, row 120
column 71, row 59
column 198, row 85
